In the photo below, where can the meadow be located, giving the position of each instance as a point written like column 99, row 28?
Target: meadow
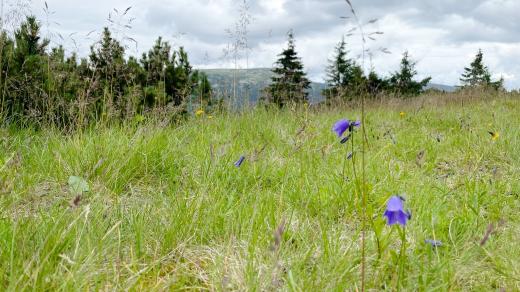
column 149, row 207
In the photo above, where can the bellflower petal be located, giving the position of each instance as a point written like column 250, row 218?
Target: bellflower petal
column 239, row 162
column 395, row 213
column 340, row 127
column 433, row 243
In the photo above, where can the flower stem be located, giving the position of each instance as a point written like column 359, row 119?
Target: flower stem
column 402, row 258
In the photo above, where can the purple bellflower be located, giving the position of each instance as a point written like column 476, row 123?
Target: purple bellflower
column 239, row 162
column 354, row 124
column 395, row 213
column 433, row 243
column 341, row 126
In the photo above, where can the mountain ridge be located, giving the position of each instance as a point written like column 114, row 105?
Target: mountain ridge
column 251, row 82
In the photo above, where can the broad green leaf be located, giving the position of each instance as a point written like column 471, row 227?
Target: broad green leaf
column 78, row 185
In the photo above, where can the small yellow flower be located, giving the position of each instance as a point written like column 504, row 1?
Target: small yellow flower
column 495, row 136
column 210, row 117
column 402, row 114
column 199, row 112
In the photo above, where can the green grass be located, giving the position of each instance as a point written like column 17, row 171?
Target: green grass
column 167, row 210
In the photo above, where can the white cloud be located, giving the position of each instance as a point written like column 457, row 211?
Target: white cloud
column 443, row 36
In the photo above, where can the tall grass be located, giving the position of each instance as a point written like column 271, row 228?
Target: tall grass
column 168, row 210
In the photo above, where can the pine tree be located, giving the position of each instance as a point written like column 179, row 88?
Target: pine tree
column 6, row 60
column 340, row 73
column 179, row 81
column 290, row 83
column 402, row 81
column 28, row 73
column 156, row 61
column 109, row 64
column 203, row 89
column 477, row 74
column 39, row 87
column 169, row 77
column 376, row 84
column 155, row 64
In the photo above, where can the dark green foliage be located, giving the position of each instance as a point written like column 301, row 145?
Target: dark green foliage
column 290, row 83
column 347, row 81
column 203, row 92
column 109, row 69
column 375, row 84
column 402, row 82
column 478, row 75
column 179, row 79
column 39, row 86
column 25, row 73
column 252, row 85
column 339, row 71
column 344, row 77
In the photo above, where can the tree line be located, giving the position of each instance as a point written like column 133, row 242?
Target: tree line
column 346, row 79
column 40, row 85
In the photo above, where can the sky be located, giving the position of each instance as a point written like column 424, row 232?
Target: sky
column 443, row 36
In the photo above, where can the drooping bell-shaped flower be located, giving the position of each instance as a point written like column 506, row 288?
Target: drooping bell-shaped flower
column 395, row 213
column 341, row 127
column 239, row 162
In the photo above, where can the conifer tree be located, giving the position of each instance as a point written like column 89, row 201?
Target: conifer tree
column 155, row 64
column 340, row 73
column 156, row 61
column 402, row 81
column 107, row 60
column 477, row 74
column 27, row 73
column 179, row 80
column 203, row 89
column 290, row 83
column 38, row 85
column 375, row 84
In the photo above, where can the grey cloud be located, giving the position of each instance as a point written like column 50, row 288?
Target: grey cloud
column 435, row 32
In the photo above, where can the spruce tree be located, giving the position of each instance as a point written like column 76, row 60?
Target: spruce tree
column 290, row 83
column 203, row 89
column 109, row 64
column 477, row 74
column 340, row 73
column 170, row 78
column 179, row 80
column 402, row 81
column 27, row 76
column 375, row 84
column 155, row 64
column 157, row 59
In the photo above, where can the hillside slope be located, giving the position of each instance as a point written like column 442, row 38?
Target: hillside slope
column 251, row 82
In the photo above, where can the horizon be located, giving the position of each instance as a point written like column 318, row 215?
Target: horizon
column 321, row 82
column 442, row 42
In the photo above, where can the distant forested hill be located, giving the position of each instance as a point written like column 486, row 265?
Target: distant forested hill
column 441, row 87
column 250, row 83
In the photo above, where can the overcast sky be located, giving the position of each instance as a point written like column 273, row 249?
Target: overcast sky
column 442, row 35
